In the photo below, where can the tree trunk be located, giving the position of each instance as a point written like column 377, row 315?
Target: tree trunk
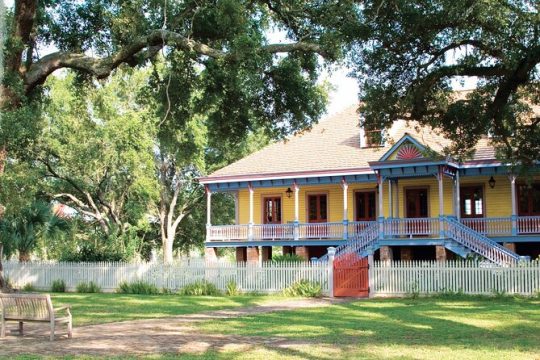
column 24, row 256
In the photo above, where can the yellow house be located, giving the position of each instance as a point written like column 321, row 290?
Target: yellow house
column 336, row 184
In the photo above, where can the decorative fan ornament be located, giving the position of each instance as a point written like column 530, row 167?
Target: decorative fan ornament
column 408, row 152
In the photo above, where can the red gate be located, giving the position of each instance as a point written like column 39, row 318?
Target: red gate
column 351, row 275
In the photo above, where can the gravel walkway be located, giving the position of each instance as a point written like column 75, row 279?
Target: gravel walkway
column 145, row 337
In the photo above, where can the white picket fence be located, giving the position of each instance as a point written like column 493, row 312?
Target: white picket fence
column 396, row 278
column 399, row 278
column 266, row 278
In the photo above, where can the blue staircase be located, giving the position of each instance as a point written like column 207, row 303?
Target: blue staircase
column 474, row 241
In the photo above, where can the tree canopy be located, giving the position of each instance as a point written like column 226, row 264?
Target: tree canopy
column 416, row 50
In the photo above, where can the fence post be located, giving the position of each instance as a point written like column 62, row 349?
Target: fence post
column 331, row 255
column 370, row 275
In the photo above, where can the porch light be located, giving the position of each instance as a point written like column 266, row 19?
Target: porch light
column 288, row 192
column 491, row 182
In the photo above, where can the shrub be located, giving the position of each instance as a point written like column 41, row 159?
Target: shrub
column 304, row 288
column 90, row 287
column 232, row 289
column 137, row 287
column 287, row 258
column 28, row 287
column 200, row 288
column 58, row 286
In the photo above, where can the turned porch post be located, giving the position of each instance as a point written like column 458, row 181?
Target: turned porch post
column 250, row 225
column 208, row 212
column 390, row 203
column 512, row 179
column 296, row 234
column 345, row 188
column 457, row 205
column 380, row 182
column 440, row 178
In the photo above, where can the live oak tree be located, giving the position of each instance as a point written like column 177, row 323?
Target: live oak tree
column 410, row 52
column 248, row 81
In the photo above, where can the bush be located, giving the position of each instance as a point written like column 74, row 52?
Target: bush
column 28, row 287
column 200, row 288
column 232, row 289
column 58, row 286
column 304, row 288
column 90, row 287
column 137, row 287
column 287, row 258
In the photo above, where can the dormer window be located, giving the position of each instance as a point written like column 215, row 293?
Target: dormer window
column 371, row 138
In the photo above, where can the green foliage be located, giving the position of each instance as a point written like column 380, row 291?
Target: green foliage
column 232, row 289
column 29, row 287
column 414, row 291
column 58, row 286
column 138, row 287
column 287, row 258
column 200, row 288
column 411, row 55
column 23, row 231
column 88, row 287
column 304, row 288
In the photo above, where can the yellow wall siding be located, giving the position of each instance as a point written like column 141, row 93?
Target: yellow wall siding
column 497, row 200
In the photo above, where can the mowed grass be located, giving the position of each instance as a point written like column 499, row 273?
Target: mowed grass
column 103, row 308
column 428, row 328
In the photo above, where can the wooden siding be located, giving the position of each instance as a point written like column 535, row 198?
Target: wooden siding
column 497, row 200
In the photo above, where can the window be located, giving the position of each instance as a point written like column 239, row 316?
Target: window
column 317, row 208
column 472, row 201
column 272, row 210
column 529, row 199
column 373, row 138
column 365, row 206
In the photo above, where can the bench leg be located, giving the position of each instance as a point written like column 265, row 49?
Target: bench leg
column 20, row 327
column 70, row 330
column 52, row 331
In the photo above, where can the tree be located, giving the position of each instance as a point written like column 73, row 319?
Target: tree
column 96, row 150
column 411, row 52
column 23, row 230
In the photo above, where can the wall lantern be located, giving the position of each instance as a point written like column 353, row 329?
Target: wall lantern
column 288, row 192
column 491, row 182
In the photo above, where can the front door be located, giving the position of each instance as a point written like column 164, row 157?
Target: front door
column 271, row 216
column 317, row 213
column 416, row 206
column 365, row 209
column 528, row 208
column 472, row 206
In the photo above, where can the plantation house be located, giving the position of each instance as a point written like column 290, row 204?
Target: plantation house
column 338, row 184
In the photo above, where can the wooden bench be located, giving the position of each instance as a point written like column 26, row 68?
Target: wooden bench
column 35, row 308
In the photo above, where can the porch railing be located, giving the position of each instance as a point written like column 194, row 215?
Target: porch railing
column 412, row 227
column 320, row 230
column 406, row 227
column 273, row 232
column 228, row 233
column 489, row 226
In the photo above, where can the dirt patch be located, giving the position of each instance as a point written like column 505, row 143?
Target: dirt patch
column 144, row 337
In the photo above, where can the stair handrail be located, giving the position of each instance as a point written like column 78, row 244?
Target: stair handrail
column 479, row 243
column 360, row 240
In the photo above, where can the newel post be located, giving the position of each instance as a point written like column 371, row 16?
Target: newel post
column 331, row 256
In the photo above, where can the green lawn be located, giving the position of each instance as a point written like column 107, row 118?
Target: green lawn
column 503, row 328
column 103, row 308
column 426, row 328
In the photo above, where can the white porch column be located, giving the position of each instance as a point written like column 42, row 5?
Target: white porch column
column 208, row 212
column 512, row 179
column 250, row 225
column 390, row 203
column 380, row 182
column 296, row 232
column 208, row 207
column 457, row 205
column 440, row 178
column 345, row 188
